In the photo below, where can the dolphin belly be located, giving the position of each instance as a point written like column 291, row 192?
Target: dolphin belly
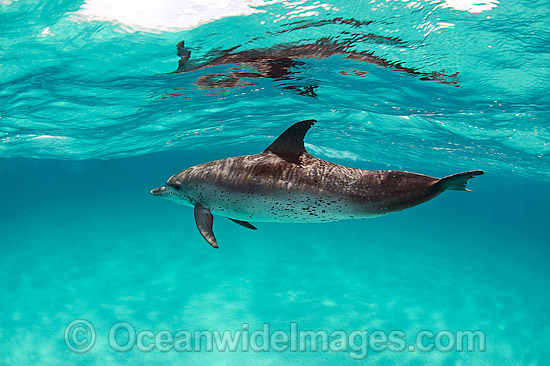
column 279, row 206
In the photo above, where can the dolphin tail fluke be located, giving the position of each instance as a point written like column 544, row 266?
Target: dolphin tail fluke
column 204, row 220
column 457, row 182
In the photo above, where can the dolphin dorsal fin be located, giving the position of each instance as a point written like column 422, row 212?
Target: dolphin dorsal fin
column 184, row 54
column 290, row 145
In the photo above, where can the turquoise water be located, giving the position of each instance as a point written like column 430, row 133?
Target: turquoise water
column 93, row 117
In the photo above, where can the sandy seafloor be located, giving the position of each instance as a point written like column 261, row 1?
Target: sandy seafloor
column 85, row 239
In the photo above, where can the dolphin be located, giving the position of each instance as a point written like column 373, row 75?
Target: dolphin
column 284, row 183
column 280, row 62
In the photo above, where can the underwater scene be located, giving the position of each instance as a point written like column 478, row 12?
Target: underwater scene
column 303, row 248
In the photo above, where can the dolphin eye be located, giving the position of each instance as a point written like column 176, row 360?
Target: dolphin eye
column 173, row 185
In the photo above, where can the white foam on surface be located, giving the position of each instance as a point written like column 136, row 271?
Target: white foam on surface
column 163, row 15
column 472, row 6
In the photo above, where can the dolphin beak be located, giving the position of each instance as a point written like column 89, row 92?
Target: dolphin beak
column 158, row 191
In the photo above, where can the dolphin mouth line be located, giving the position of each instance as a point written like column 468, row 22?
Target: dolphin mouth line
column 158, row 191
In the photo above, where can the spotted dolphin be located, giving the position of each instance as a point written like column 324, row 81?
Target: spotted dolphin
column 284, row 183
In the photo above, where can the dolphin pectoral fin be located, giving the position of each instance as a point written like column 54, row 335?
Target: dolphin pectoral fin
column 204, row 220
column 290, row 145
column 244, row 223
